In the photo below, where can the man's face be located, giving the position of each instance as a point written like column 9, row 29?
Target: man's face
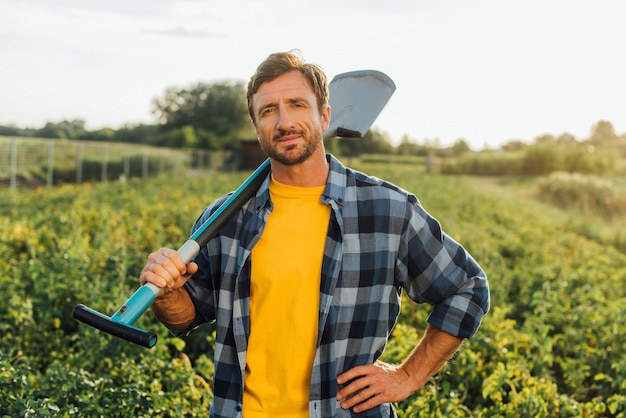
column 288, row 123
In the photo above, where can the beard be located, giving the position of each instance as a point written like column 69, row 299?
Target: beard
column 294, row 154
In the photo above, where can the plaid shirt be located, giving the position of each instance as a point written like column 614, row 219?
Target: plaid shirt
column 380, row 240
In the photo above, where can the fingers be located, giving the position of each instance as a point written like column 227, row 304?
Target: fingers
column 166, row 269
column 360, row 391
column 353, row 373
column 370, row 385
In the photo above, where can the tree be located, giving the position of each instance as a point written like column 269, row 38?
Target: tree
column 374, row 142
column 460, row 147
column 603, row 130
column 219, row 109
column 514, row 145
column 545, row 139
column 9, row 130
column 103, row 134
column 566, row 139
column 138, row 134
column 65, row 129
column 409, row 146
column 184, row 137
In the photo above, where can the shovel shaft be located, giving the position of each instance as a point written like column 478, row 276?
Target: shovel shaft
column 236, row 200
column 136, row 305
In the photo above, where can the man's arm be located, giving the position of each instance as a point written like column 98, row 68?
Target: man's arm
column 175, row 310
column 166, row 269
column 373, row 384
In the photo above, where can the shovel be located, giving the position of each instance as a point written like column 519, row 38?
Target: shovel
column 356, row 99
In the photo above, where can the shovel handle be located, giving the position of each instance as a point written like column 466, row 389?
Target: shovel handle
column 104, row 323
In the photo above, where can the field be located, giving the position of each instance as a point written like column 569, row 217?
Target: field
column 552, row 344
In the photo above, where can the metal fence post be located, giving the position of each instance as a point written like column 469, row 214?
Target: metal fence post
column 144, row 165
column 79, row 164
column 13, row 162
column 126, row 162
column 105, row 158
column 49, row 176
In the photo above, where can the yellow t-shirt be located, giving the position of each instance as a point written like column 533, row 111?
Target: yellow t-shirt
column 284, row 304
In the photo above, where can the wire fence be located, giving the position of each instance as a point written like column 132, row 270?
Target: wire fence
column 32, row 162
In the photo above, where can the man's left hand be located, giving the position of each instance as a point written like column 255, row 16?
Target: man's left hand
column 373, row 384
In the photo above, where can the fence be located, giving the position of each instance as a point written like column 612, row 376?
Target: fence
column 28, row 162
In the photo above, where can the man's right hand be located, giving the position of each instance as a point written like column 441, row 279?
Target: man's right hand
column 166, row 269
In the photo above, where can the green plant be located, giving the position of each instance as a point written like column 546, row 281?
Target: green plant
column 552, row 345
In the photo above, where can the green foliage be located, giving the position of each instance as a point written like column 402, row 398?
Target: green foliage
column 39, row 161
column 374, row 142
column 132, row 134
column 552, row 345
column 484, row 164
column 603, row 129
column 536, row 160
column 219, row 109
column 87, row 244
column 595, row 205
column 64, row 130
column 588, row 194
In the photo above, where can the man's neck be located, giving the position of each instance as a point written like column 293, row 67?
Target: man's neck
column 310, row 173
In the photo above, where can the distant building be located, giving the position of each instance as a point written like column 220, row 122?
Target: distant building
column 251, row 154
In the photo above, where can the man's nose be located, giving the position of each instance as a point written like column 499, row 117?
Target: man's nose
column 285, row 120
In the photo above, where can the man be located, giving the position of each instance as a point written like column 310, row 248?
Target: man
column 304, row 283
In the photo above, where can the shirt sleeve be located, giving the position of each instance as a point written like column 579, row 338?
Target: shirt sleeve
column 440, row 272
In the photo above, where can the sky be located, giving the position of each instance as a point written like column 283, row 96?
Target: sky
column 485, row 71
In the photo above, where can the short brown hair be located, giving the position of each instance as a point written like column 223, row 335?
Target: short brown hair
column 280, row 63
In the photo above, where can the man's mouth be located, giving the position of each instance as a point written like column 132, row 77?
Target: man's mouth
column 287, row 138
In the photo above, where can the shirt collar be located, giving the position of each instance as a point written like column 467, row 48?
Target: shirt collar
column 336, row 183
column 334, row 191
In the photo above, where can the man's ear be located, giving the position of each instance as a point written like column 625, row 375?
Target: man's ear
column 325, row 118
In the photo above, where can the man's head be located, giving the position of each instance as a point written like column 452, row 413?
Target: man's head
column 281, row 63
column 288, row 104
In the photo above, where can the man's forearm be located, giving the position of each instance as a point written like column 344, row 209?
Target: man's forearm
column 175, row 310
column 373, row 384
column 430, row 355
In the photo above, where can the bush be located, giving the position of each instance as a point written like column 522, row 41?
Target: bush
column 535, row 160
column 587, row 194
column 484, row 164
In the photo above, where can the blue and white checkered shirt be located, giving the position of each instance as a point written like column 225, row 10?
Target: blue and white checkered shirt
column 380, row 240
